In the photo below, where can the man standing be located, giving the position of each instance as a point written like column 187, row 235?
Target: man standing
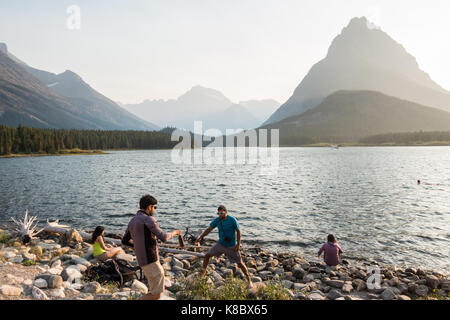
column 142, row 234
column 227, row 244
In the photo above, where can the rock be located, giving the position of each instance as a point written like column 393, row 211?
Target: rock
column 75, row 286
column 335, row 283
column 29, row 256
column 177, row 263
column 410, row 271
column 287, row 284
column 298, row 273
column 372, row 296
column 38, row 294
column 186, row 264
column 301, row 286
column 388, row 294
column 421, row 290
column 41, row 283
column 333, row 294
column 412, row 287
column 92, row 287
column 71, row 273
column 216, row 277
column 37, row 250
column 9, row 290
column 316, row 295
column 432, row 281
column 28, row 282
column 57, row 293
column 55, row 271
column 360, row 274
column 445, row 285
column 81, row 261
column 126, row 257
column 139, row 287
column 403, row 297
column 359, row 284
column 308, row 278
column 70, row 238
column 314, row 270
column 420, row 272
column 347, row 287
column 56, row 264
column 16, row 259
column 265, row 275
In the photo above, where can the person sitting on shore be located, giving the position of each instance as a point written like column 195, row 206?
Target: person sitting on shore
column 103, row 251
column 227, row 244
column 331, row 251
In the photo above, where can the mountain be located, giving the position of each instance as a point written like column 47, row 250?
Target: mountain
column 234, row 117
column 205, row 104
column 363, row 58
column 25, row 100
column 348, row 116
column 261, row 109
column 70, row 92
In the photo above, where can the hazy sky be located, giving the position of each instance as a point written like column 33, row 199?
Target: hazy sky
column 247, row 49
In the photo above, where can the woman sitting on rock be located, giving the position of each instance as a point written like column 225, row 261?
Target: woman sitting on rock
column 331, row 251
column 102, row 251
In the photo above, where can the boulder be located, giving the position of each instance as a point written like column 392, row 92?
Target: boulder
column 347, row 287
column 139, row 287
column 335, row 283
column 92, row 287
column 298, row 272
column 359, row 284
column 388, row 294
column 57, row 293
column 70, row 238
column 333, row 294
column 432, row 281
column 421, row 290
column 38, row 294
column 41, row 283
column 9, row 290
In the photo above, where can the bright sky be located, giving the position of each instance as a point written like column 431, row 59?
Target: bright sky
column 247, row 49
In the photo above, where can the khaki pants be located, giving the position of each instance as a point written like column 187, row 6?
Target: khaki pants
column 154, row 273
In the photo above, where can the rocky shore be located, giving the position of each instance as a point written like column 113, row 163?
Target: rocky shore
column 53, row 266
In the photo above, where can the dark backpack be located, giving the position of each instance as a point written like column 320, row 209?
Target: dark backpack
column 119, row 271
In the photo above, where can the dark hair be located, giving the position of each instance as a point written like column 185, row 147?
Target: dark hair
column 331, row 238
column 98, row 231
column 146, row 201
column 222, row 208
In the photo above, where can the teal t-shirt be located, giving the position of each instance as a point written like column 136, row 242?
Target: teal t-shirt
column 230, row 225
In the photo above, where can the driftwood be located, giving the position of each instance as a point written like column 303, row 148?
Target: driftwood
column 55, row 227
column 25, row 229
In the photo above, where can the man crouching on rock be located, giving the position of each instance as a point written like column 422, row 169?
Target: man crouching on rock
column 228, row 228
column 142, row 234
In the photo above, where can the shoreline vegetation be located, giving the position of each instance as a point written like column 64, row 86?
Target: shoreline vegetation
column 53, row 267
column 27, row 142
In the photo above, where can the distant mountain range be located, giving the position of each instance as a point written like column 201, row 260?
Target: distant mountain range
column 348, row 116
column 367, row 84
column 205, row 104
column 38, row 98
column 363, row 58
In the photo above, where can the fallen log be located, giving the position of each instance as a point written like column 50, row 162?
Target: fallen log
column 55, row 227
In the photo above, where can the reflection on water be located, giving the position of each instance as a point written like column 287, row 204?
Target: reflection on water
column 367, row 197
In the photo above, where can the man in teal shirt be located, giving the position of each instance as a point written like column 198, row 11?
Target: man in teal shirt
column 227, row 244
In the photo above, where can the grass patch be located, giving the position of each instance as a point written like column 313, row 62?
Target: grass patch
column 233, row 288
column 434, row 295
column 4, row 238
column 28, row 263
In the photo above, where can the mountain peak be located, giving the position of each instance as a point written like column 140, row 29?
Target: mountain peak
column 3, row 48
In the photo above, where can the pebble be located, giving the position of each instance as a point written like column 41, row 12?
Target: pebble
column 139, row 287
column 38, row 294
column 9, row 290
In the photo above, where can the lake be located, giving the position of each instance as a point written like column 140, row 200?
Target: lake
column 367, row 196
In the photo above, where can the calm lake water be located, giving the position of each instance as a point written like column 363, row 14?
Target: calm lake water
column 367, row 197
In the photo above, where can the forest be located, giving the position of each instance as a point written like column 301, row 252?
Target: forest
column 25, row 140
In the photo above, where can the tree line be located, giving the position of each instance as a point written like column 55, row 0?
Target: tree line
column 35, row 140
column 409, row 138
